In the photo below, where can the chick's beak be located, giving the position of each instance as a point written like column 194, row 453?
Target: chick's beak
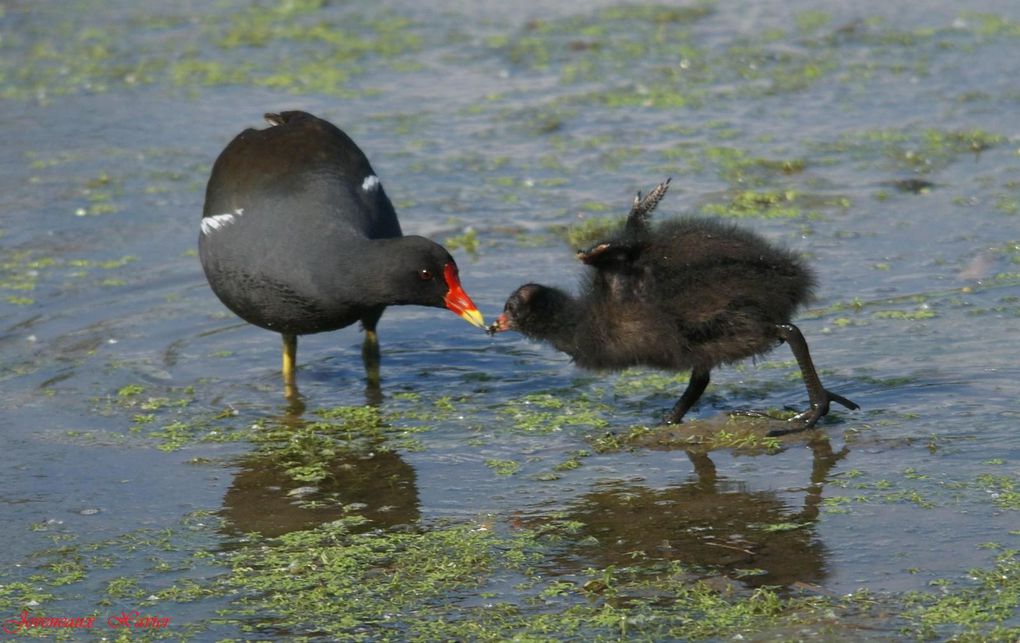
column 458, row 301
column 502, row 324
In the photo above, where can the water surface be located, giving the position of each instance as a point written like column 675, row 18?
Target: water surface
column 144, row 425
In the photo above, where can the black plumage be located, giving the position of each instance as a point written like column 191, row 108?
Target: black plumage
column 686, row 294
column 298, row 236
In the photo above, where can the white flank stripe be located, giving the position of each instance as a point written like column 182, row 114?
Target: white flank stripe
column 217, row 221
column 370, row 183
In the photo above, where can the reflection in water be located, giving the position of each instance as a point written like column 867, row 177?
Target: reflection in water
column 296, row 402
column 373, row 393
column 366, row 480
column 710, row 522
column 264, row 498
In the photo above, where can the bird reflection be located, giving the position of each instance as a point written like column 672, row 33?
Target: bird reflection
column 296, row 406
column 378, row 485
column 364, row 477
column 711, row 523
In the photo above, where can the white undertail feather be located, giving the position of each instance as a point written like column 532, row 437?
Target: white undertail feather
column 217, row 221
column 371, row 182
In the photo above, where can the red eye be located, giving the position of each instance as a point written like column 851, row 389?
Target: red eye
column 425, row 274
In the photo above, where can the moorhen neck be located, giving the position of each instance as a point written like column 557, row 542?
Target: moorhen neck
column 688, row 294
column 298, row 237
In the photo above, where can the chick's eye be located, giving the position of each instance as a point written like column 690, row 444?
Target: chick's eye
column 425, row 274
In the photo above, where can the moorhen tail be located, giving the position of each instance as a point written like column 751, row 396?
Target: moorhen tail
column 298, row 237
column 687, row 294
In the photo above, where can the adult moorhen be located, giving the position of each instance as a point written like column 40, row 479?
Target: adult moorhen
column 298, row 236
column 686, row 294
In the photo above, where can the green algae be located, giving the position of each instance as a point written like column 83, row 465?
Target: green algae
column 765, row 204
column 609, row 36
column 974, row 611
column 342, row 581
column 25, row 270
column 334, row 52
column 640, row 381
column 353, row 582
column 130, row 390
column 333, row 581
column 466, row 241
column 668, row 65
column 347, row 583
column 757, row 204
column 918, row 150
column 165, row 416
column 302, row 46
column 783, row 204
column 991, row 25
column 1003, row 489
column 609, row 42
column 745, row 434
column 908, row 315
column 305, row 451
column 812, row 21
column 546, row 413
column 924, row 489
column 589, row 230
column 503, row 467
column 738, row 167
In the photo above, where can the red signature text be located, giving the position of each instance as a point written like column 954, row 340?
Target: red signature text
column 27, row 622
column 124, row 620
column 135, row 620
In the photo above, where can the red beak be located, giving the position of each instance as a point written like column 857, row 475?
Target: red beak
column 457, row 300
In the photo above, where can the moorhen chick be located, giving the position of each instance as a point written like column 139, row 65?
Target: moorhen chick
column 687, row 294
column 299, row 237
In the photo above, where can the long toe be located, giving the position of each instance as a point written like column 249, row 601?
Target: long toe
column 775, row 433
column 803, row 421
column 808, row 419
column 836, row 397
column 749, row 413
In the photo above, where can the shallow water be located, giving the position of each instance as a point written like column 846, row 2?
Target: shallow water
column 129, row 392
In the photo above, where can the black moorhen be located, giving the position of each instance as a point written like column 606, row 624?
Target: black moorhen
column 686, row 294
column 298, row 236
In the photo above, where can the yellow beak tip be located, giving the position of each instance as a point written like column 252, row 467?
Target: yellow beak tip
column 474, row 317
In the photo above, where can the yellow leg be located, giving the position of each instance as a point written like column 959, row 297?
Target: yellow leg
column 370, row 355
column 289, row 366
